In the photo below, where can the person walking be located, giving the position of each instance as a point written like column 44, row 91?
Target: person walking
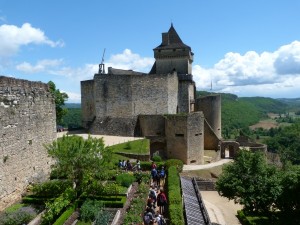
column 162, row 201
column 162, row 174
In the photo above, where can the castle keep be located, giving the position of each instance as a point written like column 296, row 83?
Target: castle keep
column 160, row 105
column 27, row 122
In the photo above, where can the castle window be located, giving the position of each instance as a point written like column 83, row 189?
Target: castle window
column 179, row 135
column 198, row 134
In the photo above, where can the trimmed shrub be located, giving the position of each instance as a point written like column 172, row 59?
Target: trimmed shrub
column 174, row 196
column 62, row 219
column 108, row 201
column 52, row 188
column 107, row 175
column 156, row 158
column 174, row 162
column 146, row 166
column 35, row 200
column 125, row 179
column 97, row 188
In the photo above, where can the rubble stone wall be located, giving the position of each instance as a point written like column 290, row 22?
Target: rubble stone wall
column 27, row 122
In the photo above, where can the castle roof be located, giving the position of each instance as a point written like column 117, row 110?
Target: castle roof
column 114, row 71
column 171, row 40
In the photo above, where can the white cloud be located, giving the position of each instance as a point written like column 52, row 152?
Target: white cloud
column 40, row 66
column 130, row 61
column 77, row 74
column 288, row 59
column 73, row 97
column 266, row 74
column 124, row 60
column 13, row 37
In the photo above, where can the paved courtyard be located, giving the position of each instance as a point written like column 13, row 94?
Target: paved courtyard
column 221, row 210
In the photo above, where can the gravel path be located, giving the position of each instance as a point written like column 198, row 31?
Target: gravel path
column 206, row 166
column 221, row 210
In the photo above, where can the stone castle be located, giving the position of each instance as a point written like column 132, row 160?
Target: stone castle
column 160, row 105
column 27, row 122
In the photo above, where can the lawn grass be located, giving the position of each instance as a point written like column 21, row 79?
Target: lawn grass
column 141, row 146
column 14, row 207
column 274, row 218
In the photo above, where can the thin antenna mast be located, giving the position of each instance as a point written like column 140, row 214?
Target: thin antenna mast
column 211, row 87
column 101, row 65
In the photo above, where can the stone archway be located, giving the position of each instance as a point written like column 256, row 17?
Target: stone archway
column 231, row 146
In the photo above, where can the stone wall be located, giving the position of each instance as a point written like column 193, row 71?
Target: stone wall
column 87, row 102
column 184, row 137
column 27, row 122
column 119, row 99
column 195, row 130
column 211, row 108
column 186, row 93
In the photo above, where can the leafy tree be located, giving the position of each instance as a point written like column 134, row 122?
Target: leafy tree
column 60, row 98
column 289, row 200
column 72, row 119
column 80, row 159
column 250, row 181
column 286, row 142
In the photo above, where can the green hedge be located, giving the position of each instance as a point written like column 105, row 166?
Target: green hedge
column 146, row 166
column 175, row 208
column 125, row 179
column 174, row 162
column 36, row 200
column 107, row 201
column 62, row 219
column 258, row 219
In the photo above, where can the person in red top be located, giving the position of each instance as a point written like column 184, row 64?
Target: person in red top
column 161, row 201
column 153, row 166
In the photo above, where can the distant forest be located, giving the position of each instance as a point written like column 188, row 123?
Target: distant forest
column 238, row 113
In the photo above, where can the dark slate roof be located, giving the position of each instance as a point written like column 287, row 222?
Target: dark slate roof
column 174, row 41
column 114, row 71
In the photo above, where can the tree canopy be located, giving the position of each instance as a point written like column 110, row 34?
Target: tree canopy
column 78, row 158
column 60, row 98
column 250, row 181
column 286, row 142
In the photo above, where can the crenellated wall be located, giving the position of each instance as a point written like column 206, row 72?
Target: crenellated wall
column 27, row 122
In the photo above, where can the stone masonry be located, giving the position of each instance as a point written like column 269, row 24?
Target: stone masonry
column 160, row 105
column 27, row 122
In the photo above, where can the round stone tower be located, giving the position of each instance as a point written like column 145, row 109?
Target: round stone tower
column 211, row 108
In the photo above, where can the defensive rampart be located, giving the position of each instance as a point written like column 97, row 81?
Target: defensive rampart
column 27, row 122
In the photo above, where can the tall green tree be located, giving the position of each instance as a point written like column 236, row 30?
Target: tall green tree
column 80, row 159
column 289, row 200
column 286, row 143
column 60, row 98
column 250, row 181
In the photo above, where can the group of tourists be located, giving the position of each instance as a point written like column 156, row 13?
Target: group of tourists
column 127, row 165
column 156, row 198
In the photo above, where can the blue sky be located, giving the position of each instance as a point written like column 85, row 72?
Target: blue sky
column 248, row 48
